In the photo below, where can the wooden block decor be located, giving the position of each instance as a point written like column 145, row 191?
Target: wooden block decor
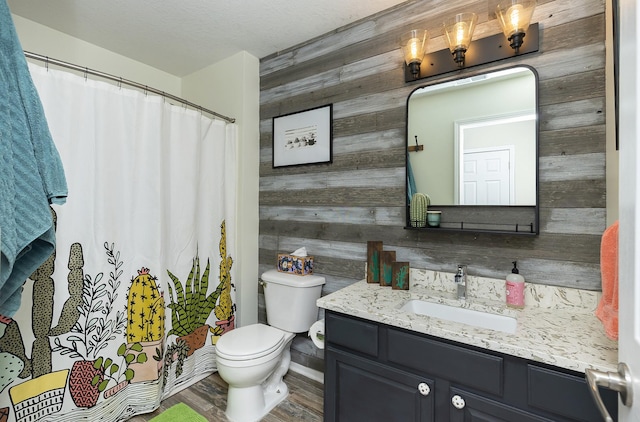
column 374, row 247
column 387, row 258
column 400, row 276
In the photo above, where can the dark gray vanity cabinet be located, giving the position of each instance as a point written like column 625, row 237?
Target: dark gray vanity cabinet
column 375, row 372
column 365, row 388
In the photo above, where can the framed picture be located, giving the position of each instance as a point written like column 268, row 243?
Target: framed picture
column 304, row 137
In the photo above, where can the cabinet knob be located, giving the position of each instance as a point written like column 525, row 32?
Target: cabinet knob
column 457, row 402
column 424, row 388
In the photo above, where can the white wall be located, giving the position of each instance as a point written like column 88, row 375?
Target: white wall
column 45, row 41
column 230, row 87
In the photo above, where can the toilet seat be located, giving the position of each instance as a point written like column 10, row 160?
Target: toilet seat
column 250, row 342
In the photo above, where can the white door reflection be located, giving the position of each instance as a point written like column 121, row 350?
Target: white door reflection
column 494, row 155
column 487, row 176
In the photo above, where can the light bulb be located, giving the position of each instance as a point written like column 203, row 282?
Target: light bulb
column 459, row 31
column 514, row 17
column 413, row 48
column 514, row 13
column 414, row 44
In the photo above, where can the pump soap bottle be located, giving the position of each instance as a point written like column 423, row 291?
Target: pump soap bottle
column 515, row 288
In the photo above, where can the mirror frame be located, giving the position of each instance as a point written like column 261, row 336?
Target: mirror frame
column 512, row 219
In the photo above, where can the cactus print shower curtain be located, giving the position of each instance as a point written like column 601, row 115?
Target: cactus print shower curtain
column 128, row 309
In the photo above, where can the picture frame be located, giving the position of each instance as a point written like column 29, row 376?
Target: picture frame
column 401, row 276
column 374, row 249
column 304, row 137
column 387, row 259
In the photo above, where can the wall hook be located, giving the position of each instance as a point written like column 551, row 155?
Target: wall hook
column 416, row 147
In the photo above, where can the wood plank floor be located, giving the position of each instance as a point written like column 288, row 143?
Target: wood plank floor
column 209, row 398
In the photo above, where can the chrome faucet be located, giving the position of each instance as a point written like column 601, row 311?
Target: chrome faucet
column 461, row 281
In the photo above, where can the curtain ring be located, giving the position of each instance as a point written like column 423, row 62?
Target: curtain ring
column 86, row 73
column 46, row 63
column 120, row 83
column 145, row 90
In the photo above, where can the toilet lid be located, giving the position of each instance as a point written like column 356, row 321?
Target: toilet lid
column 249, row 342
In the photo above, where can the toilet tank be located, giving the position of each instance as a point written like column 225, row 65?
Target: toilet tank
column 290, row 300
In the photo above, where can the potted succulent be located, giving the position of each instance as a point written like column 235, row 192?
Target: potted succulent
column 192, row 306
column 146, row 323
column 109, row 371
column 98, row 324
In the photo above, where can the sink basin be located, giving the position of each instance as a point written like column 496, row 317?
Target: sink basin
column 479, row 319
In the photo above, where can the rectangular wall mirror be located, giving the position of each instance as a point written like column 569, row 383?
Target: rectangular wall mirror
column 472, row 148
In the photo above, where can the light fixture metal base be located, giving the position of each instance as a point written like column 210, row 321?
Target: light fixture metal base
column 516, row 40
column 482, row 51
column 414, row 69
column 458, row 56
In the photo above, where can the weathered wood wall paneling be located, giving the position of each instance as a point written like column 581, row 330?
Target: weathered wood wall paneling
column 333, row 209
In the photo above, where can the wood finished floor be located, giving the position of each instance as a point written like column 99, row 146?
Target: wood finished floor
column 209, row 398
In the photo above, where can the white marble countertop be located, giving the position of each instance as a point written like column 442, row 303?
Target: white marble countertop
column 556, row 327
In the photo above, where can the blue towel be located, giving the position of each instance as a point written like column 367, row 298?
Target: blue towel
column 31, row 172
column 411, row 181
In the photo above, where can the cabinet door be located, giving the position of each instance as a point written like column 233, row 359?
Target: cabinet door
column 358, row 389
column 566, row 396
column 469, row 407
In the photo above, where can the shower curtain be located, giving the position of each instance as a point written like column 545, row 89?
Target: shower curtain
column 129, row 307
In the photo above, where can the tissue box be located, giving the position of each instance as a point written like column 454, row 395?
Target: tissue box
column 298, row 265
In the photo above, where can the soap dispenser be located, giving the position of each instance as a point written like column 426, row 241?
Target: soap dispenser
column 515, row 288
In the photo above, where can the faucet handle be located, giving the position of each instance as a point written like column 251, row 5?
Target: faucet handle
column 461, row 280
column 460, row 273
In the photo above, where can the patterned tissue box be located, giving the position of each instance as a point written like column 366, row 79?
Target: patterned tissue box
column 298, row 265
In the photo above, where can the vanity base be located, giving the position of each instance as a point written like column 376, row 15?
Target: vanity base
column 376, row 372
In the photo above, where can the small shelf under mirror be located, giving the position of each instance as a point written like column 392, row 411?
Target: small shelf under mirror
column 475, row 228
column 483, row 219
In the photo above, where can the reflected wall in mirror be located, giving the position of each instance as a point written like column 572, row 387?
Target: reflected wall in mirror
column 478, row 140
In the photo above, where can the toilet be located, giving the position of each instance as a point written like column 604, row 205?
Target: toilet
column 254, row 358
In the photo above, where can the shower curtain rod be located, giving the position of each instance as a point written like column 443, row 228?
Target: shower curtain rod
column 120, row 80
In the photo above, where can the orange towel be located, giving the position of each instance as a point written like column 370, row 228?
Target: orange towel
column 607, row 310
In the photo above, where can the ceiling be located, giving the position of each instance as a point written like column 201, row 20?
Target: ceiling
column 183, row 36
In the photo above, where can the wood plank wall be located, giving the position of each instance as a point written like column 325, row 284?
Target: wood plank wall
column 333, row 209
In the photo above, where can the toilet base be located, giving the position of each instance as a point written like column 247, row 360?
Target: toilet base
column 250, row 404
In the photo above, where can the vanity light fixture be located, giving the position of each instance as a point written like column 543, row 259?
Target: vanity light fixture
column 514, row 17
column 414, row 46
column 459, row 31
column 466, row 52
